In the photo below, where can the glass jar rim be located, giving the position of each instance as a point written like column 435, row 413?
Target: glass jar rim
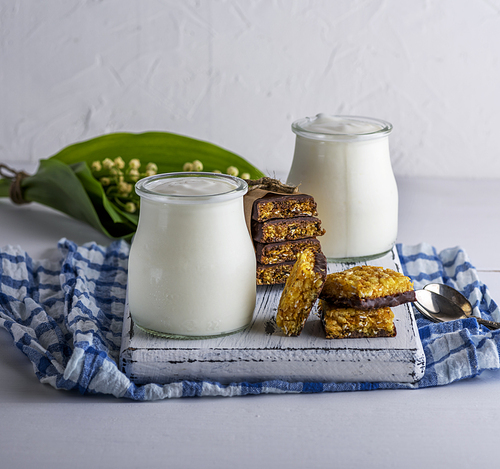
column 383, row 128
column 144, row 190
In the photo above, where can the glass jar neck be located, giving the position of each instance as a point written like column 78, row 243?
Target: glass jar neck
column 188, row 188
column 341, row 128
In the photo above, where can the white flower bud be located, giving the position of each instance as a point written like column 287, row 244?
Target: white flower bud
column 134, row 163
column 107, row 163
column 197, row 165
column 119, row 163
column 124, row 188
column 130, row 207
column 133, row 174
column 232, row 171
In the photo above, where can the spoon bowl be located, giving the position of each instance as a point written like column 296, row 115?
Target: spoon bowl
column 436, row 307
column 453, row 295
column 439, row 303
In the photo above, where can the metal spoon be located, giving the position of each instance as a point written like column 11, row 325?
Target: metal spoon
column 456, row 297
column 447, row 305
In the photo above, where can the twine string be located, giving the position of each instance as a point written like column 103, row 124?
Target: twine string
column 270, row 184
column 15, row 190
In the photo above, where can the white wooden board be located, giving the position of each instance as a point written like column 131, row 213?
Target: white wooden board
column 262, row 352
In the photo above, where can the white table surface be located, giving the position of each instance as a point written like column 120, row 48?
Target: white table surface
column 452, row 426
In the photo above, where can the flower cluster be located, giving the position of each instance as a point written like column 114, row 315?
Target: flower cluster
column 118, row 180
column 197, row 165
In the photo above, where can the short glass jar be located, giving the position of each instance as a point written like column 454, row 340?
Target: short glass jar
column 192, row 263
column 344, row 163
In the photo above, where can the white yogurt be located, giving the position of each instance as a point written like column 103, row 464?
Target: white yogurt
column 192, row 263
column 344, row 163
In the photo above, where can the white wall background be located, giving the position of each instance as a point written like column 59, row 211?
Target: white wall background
column 238, row 72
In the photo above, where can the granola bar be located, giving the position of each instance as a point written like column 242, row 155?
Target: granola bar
column 285, row 251
column 301, row 291
column 274, row 274
column 284, row 206
column 275, row 231
column 367, row 287
column 344, row 323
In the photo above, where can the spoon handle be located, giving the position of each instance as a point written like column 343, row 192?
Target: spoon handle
column 492, row 325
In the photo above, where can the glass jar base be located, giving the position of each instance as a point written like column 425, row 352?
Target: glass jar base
column 166, row 335
column 358, row 259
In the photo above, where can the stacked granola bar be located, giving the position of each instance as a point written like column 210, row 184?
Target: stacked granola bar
column 357, row 302
column 282, row 227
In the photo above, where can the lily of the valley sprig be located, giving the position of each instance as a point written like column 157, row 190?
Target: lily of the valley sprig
column 118, row 179
column 93, row 181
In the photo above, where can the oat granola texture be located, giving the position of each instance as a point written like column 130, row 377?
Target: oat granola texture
column 301, row 291
column 344, row 323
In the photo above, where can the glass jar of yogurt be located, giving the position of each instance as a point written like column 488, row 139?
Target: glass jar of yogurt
column 344, row 163
column 192, row 263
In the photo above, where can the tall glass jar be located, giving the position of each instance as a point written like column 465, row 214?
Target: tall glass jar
column 344, row 163
column 192, row 263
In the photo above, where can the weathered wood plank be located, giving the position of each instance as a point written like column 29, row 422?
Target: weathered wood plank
column 262, row 352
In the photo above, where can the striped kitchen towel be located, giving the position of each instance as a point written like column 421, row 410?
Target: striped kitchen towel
column 67, row 316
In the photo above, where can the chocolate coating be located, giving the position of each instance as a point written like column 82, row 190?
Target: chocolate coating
column 320, row 263
column 373, row 303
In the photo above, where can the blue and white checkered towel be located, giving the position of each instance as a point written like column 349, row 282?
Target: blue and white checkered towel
column 67, row 318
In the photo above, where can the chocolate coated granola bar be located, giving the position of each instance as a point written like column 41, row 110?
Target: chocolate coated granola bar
column 285, row 251
column 273, row 274
column 275, row 231
column 284, row 206
column 367, row 287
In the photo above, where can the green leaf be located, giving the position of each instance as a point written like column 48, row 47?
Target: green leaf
column 168, row 151
column 4, row 187
column 57, row 186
